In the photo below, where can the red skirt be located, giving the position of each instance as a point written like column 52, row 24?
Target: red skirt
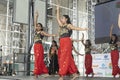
column 58, row 54
column 115, row 59
column 88, row 64
column 39, row 65
column 66, row 62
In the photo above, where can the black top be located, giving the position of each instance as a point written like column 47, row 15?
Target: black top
column 38, row 37
column 113, row 46
column 65, row 32
column 87, row 49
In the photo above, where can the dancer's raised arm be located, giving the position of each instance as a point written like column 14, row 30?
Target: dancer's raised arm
column 111, row 29
column 119, row 21
column 48, row 35
column 35, row 19
column 76, row 51
column 77, row 28
column 58, row 16
column 83, row 39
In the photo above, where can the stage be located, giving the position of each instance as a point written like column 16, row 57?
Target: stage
column 52, row 78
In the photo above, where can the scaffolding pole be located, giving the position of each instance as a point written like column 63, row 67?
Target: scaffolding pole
column 6, row 40
column 30, row 29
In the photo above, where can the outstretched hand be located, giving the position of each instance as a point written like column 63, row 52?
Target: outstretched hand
column 54, row 35
column 58, row 7
column 82, row 36
column 86, row 29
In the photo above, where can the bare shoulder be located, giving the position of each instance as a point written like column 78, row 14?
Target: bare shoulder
column 42, row 32
column 69, row 25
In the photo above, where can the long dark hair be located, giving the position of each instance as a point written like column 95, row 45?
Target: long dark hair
column 68, row 19
column 89, row 43
column 115, row 41
column 52, row 46
column 55, row 43
column 68, row 22
column 41, row 26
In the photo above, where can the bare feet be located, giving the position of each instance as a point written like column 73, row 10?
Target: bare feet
column 92, row 74
column 75, row 76
column 87, row 75
column 114, row 76
column 36, row 77
column 61, row 78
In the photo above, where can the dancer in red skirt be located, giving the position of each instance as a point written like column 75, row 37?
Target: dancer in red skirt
column 88, row 56
column 66, row 62
column 114, row 53
column 39, row 65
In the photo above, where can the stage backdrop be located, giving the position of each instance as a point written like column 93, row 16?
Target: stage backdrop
column 106, row 14
column 102, row 65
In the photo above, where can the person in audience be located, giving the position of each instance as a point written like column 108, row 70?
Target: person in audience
column 53, row 54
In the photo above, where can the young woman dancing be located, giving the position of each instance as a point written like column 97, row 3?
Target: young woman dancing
column 88, row 56
column 66, row 62
column 39, row 65
column 114, row 53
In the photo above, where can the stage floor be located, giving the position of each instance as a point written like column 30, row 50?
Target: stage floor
column 52, row 78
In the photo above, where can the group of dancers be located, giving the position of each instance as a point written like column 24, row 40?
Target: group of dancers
column 61, row 59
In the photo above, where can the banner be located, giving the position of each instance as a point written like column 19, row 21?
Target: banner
column 102, row 66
